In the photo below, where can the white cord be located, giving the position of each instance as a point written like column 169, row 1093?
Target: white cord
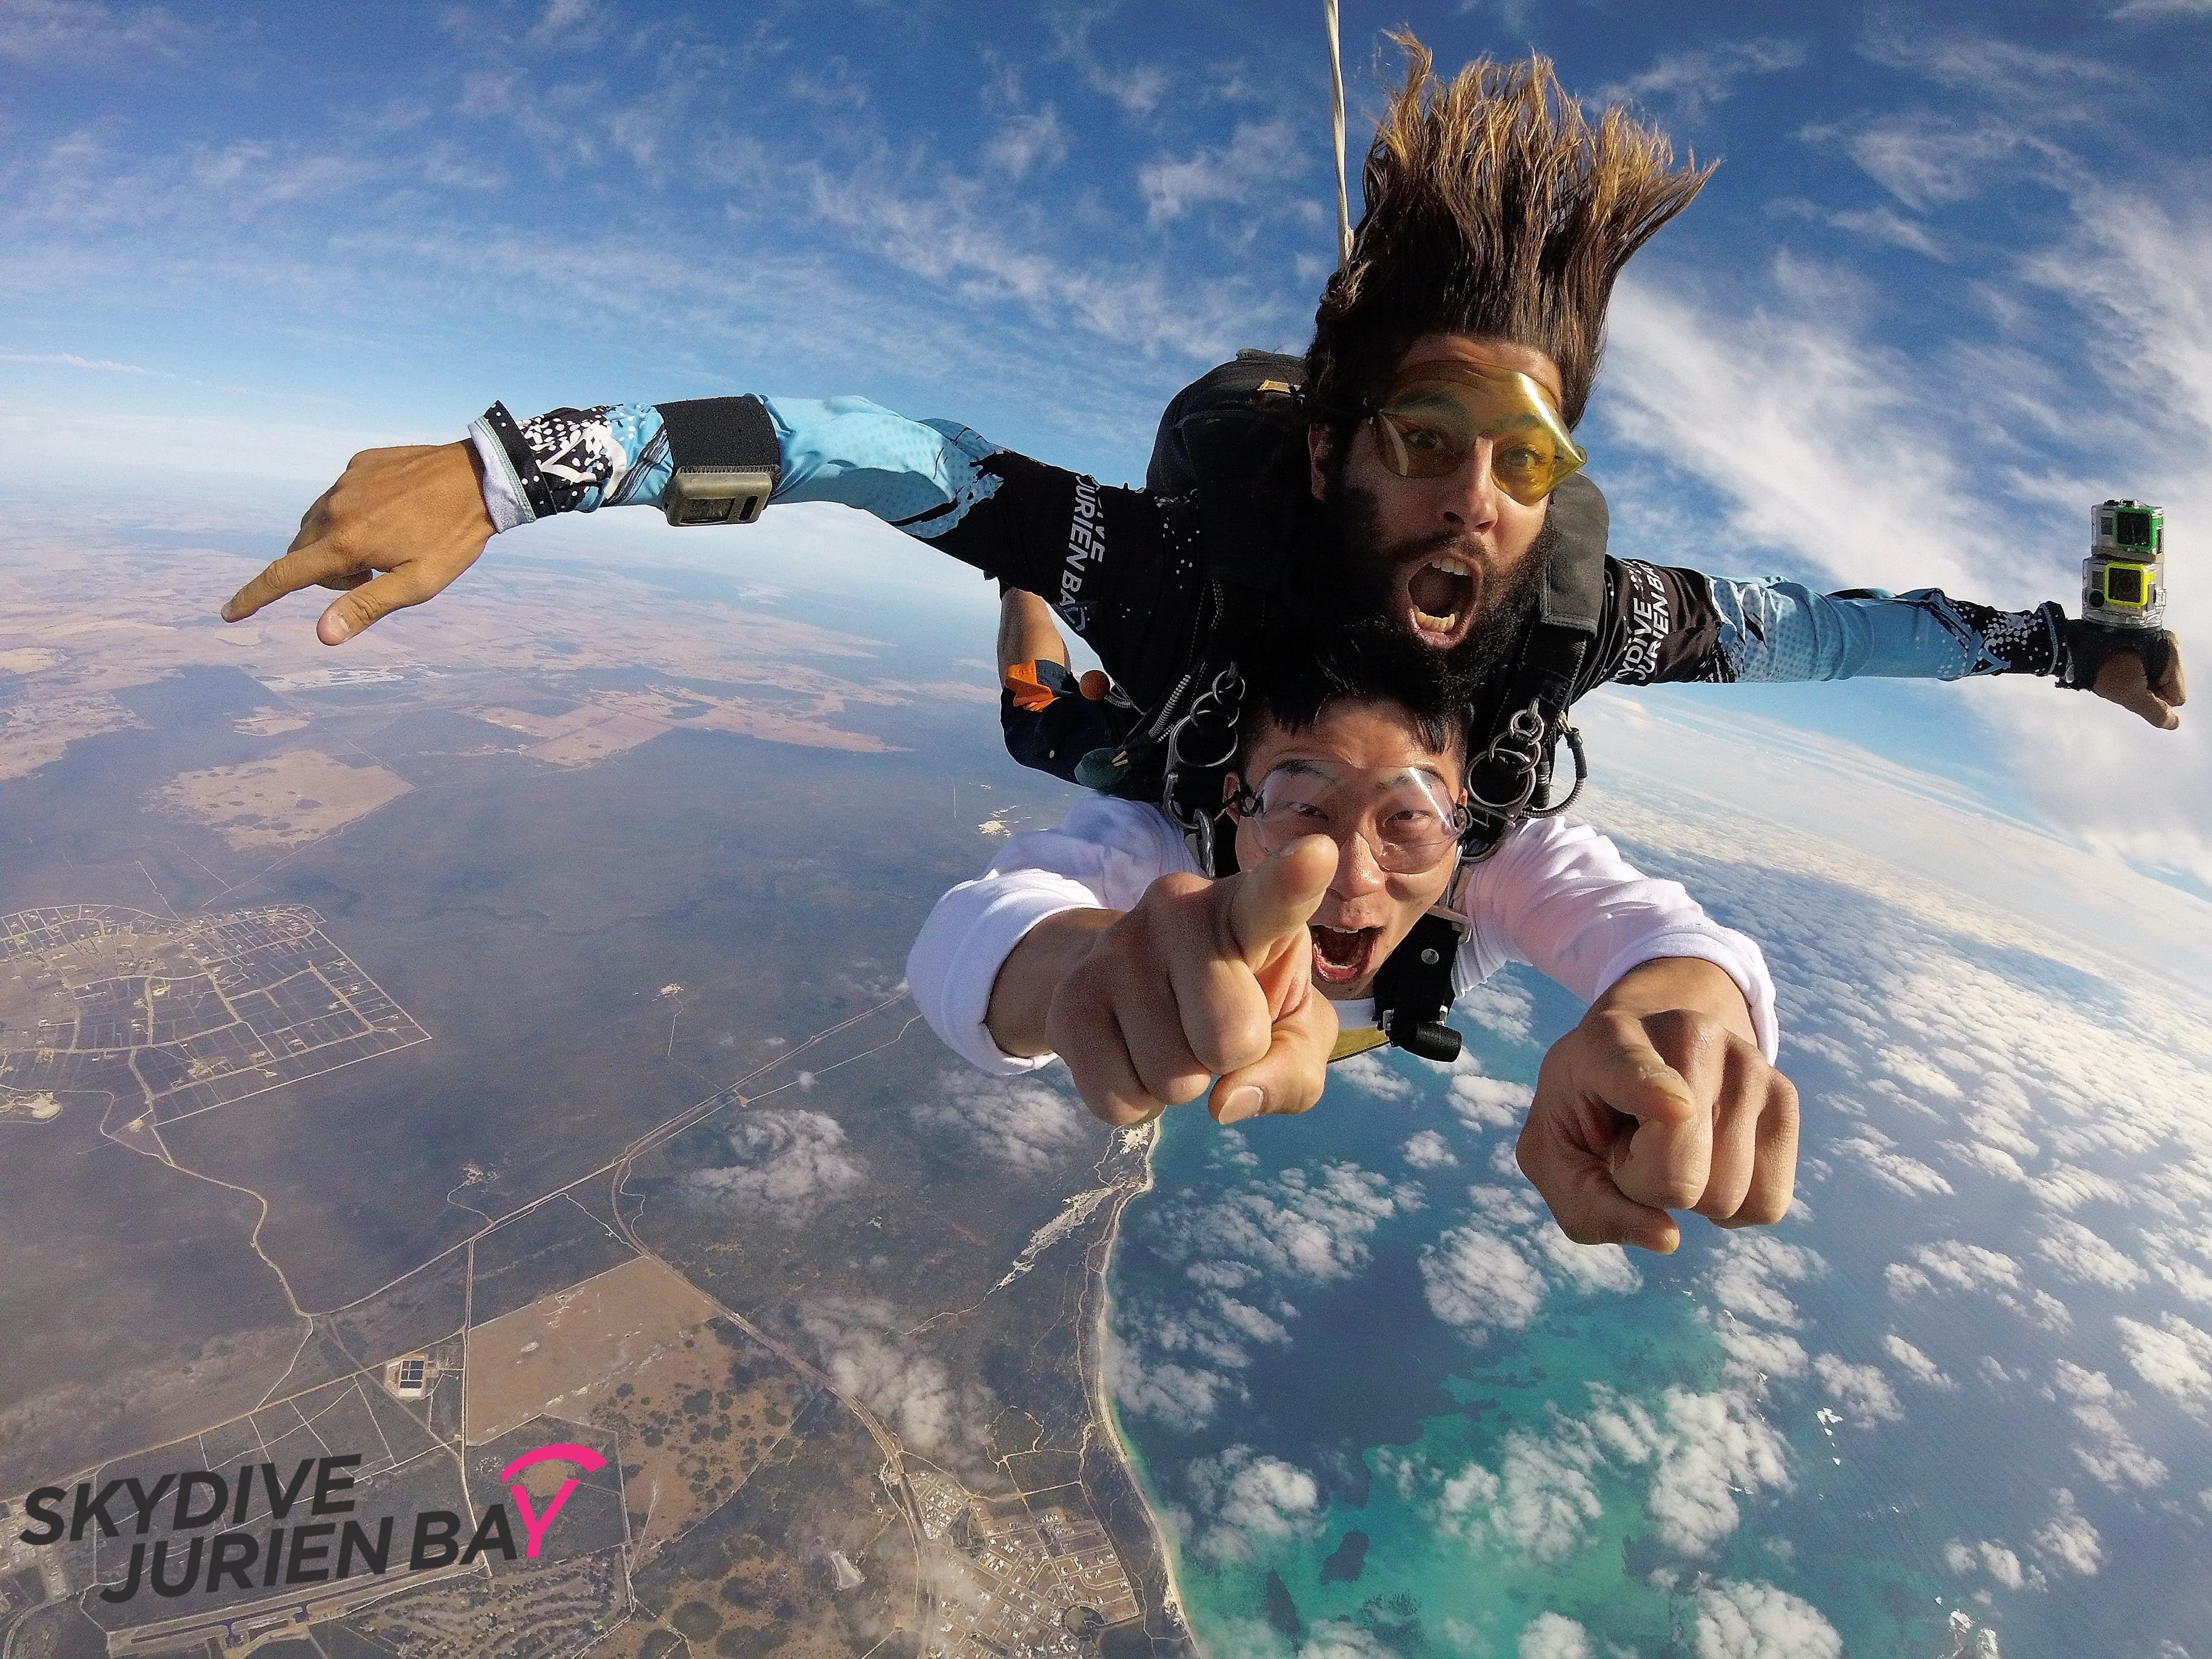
column 1336, row 119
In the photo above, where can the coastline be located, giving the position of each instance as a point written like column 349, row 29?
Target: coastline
column 1125, row 1511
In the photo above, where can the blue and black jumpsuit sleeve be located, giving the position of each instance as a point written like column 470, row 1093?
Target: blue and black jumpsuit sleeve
column 1122, row 568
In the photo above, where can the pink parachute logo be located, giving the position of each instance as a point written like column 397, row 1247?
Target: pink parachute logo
column 534, row 1524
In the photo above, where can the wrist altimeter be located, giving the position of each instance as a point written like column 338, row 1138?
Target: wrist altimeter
column 726, row 458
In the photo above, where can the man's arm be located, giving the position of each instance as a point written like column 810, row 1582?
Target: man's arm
column 401, row 525
column 1664, row 1096
column 1664, row 623
column 1660, row 1099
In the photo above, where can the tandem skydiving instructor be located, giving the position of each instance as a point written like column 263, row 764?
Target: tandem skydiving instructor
column 1415, row 474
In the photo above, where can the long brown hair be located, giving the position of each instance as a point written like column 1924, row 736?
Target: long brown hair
column 1495, row 208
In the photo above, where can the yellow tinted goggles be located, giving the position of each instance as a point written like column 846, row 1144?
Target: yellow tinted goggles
column 1437, row 412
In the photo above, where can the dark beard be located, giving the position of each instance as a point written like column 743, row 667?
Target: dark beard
column 1363, row 577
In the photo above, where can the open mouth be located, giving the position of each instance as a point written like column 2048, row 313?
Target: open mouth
column 1340, row 955
column 1439, row 595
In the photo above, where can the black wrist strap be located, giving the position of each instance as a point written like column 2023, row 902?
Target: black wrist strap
column 718, row 434
column 2089, row 646
column 536, row 492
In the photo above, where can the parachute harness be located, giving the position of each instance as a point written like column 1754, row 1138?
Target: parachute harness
column 1520, row 758
column 1203, row 743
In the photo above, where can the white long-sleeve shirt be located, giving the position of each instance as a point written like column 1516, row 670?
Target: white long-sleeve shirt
column 1556, row 896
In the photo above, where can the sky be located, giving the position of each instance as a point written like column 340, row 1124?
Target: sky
column 1949, row 286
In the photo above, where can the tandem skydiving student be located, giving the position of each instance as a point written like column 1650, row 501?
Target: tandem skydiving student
column 1101, row 943
column 1414, row 472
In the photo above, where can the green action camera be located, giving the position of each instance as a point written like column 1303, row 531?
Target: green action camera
column 2124, row 578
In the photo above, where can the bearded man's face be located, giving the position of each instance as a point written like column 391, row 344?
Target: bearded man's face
column 1453, row 561
column 1370, row 573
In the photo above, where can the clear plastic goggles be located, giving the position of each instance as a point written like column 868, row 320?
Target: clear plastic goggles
column 1407, row 818
column 1437, row 412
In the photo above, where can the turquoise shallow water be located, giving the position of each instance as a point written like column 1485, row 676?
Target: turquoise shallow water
column 1720, row 1452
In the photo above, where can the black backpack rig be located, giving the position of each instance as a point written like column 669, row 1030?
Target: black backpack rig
column 1235, row 441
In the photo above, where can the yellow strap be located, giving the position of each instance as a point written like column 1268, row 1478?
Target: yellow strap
column 1356, row 1041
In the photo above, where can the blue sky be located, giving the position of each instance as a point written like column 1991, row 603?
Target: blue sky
column 1949, row 287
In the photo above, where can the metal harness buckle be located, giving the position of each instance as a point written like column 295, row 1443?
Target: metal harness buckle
column 1522, row 752
column 1222, row 699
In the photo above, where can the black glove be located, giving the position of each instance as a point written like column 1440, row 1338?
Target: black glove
column 2089, row 646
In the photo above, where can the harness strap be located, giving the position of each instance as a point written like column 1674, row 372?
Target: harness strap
column 1414, row 988
column 1512, row 779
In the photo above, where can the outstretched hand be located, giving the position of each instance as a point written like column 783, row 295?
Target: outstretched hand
column 2122, row 680
column 1203, row 982
column 1639, row 1111
column 415, row 514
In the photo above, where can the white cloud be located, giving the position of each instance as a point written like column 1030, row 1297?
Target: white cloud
column 1928, row 161
column 961, row 234
column 1749, row 1620
column 1260, row 154
column 1894, row 1170
column 2083, row 1257
column 1368, row 1071
column 2168, row 1252
column 1340, row 1638
column 2043, row 84
column 2068, row 1539
column 1246, row 1498
column 1749, row 1271
column 1996, row 1560
column 1427, row 1150
column 1479, row 1283
column 790, row 1164
column 70, row 360
column 1788, row 412
column 1303, row 1226
column 1183, row 1397
column 1954, row 1265
column 1590, row 1267
column 1883, row 223
column 1916, row 1365
column 2109, row 1452
column 48, row 32
column 1552, row 1636
column 1755, row 1355
column 2173, row 1357
column 1501, row 1005
column 1017, row 1122
column 1861, row 1393
column 1177, row 1361
column 1546, row 1506
column 1718, row 1450
column 1489, row 1102
column 1034, row 139
column 1541, row 1503
column 1137, row 89
column 1705, row 1453
column 1784, row 398
column 862, row 1350
column 1693, row 82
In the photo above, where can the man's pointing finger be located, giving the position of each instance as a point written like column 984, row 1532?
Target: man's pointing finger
column 1273, row 901
column 303, row 567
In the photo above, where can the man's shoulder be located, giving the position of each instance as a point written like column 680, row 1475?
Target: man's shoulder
column 1139, row 830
